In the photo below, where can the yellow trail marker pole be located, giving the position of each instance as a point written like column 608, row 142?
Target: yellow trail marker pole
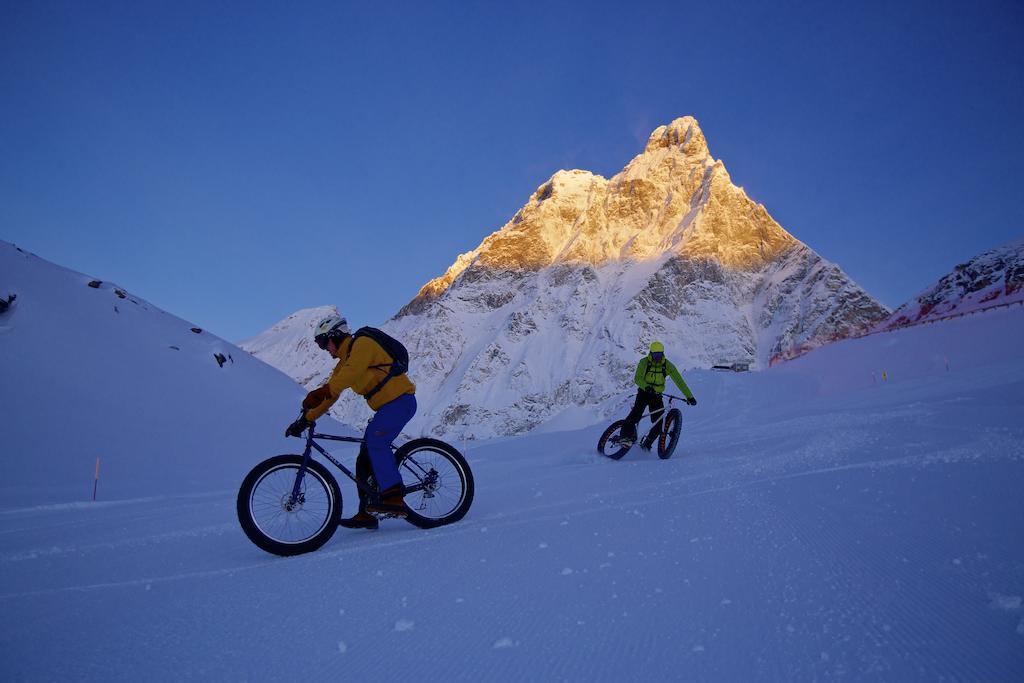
column 96, row 481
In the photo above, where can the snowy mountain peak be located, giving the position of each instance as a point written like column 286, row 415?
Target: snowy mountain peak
column 289, row 343
column 549, row 314
column 684, row 133
column 672, row 199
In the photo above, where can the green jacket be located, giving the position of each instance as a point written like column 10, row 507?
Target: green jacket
column 651, row 375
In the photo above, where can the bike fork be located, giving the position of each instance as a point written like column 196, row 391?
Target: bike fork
column 302, row 468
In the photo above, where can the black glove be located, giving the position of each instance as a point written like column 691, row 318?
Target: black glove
column 691, row 401
column 296, row 428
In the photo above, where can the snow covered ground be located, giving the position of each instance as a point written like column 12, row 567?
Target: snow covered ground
column 817, row 521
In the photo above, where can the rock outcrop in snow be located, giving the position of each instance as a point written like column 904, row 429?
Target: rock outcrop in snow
column 554, row 309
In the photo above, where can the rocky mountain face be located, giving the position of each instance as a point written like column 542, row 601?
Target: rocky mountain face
column 553, row 311
column 992, row 278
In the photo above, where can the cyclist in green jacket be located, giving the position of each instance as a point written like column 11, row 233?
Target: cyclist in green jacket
column 650, row 381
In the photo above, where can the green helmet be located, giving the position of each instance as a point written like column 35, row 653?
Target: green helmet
column 657, row 347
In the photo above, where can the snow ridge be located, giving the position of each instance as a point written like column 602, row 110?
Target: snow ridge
column 90, row 370
column 992, row 278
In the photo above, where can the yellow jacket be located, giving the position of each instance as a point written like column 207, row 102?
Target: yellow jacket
column 354, row 371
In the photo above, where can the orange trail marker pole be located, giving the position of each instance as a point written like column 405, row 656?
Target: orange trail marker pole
column 96, row 481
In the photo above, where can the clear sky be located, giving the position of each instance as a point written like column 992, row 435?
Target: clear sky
column 233, row 162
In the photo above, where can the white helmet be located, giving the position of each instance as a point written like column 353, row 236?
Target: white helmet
column 331, row 327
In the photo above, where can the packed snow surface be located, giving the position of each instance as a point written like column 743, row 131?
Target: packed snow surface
column 856, row 513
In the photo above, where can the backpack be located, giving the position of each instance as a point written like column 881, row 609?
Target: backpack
column 655, row 372
column 399, row 356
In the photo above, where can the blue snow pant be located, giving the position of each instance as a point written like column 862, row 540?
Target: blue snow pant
column 376, row 453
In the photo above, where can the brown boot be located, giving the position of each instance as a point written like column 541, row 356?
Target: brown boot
column 391, row 502
column 361, row 520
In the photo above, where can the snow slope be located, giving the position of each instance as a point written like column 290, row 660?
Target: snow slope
column 98, row 372
column 817, row 522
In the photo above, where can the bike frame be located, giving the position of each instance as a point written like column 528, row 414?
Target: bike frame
column 662, row 411
column 311, row 445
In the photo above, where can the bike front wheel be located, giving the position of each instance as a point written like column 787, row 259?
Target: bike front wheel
column 438, row 482
column 670, row 434
column 612, row 443
column 281, row 523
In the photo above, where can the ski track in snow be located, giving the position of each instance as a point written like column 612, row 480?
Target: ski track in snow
column 835, row 602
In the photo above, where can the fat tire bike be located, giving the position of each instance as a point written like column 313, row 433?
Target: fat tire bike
column 614, row 444
column 291, row 504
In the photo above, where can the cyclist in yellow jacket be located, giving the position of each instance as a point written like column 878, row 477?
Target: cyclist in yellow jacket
column 649, row 378
column 362, row 367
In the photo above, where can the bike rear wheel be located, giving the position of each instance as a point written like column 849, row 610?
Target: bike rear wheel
column 670, row 434
column 439, row 484
column 277, row 523
column 612, row 444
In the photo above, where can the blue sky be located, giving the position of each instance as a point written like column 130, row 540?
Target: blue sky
column 234, row 162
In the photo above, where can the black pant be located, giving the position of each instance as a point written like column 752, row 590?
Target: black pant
column 363, row 471
column 645, row 400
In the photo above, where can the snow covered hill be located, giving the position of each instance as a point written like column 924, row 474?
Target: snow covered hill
column 289, row 347
column 854, row 513
column 96, row 372
column 993, row 278
column 551, row 313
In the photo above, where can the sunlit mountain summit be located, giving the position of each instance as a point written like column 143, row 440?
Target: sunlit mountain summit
column 552, row 311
